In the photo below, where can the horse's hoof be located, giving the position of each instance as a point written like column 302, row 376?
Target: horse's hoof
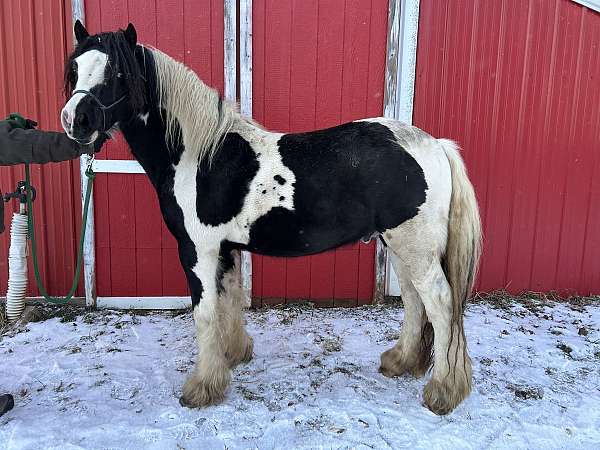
column 183, row 402
column 391, row 363
column 198, row 393
column 441, row 397
column 385, row 372
column 394, row 363
column 200, row 396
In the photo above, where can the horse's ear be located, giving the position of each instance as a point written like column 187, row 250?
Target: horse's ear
column 80, row 32
column 131, row 35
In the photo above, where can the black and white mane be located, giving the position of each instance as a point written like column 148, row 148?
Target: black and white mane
column 226, row 184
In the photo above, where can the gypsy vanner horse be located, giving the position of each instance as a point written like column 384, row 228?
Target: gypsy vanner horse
column 224, row 184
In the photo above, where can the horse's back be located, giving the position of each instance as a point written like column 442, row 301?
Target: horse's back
column 351, row 181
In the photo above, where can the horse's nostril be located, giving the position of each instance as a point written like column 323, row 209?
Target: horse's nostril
column 65, row 118
column 81, row 120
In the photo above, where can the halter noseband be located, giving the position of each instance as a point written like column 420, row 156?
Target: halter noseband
column 101, row 105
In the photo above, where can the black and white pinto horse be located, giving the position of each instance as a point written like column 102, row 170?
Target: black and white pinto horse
column 225, row 184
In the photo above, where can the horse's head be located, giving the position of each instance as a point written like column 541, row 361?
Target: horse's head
column 105, row 83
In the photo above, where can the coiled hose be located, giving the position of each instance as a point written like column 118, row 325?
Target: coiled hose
column 17, row 267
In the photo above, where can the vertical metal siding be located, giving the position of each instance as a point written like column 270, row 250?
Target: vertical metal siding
column 33, row 44
column 516, row 84
column 317, row 64
column 135, row 253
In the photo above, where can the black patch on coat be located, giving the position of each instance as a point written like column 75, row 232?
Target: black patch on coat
column 352, row 180
column 226, row 263
column 223, row 185
column 279, row 179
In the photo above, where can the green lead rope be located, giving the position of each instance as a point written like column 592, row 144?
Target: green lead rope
column 30, row 225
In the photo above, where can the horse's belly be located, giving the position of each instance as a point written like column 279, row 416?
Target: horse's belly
column 285, row 233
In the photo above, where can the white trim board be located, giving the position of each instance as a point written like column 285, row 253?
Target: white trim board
column 403, row 29
column 116, row 166
column 89, row 247
column 230, row 49
column 246, row 110
column 592, row 4
column 144, row 302
column 246, row 57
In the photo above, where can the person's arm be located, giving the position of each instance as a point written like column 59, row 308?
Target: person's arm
column 19, row 146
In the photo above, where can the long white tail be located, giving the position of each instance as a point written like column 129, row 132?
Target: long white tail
column 464, row 231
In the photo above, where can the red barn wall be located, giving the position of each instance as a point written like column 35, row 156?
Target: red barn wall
column 33, row 44
column 516, row 84
column 317, row 64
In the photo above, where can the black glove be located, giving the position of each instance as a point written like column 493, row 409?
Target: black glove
column 6, row 403
column 16, row 120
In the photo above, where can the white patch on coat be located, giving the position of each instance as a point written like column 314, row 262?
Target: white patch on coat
column 265, row 193
column 144, row 118
column 91, row 67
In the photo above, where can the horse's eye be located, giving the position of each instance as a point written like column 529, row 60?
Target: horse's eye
column 74, row 66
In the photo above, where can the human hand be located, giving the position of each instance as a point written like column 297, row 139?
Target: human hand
column 16, row 120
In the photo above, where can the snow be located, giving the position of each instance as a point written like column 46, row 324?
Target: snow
column 112, row 380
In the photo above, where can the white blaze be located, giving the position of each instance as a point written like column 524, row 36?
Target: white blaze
column 90, row 73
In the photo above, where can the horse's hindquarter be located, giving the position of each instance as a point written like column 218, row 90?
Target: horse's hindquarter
column 322, row 189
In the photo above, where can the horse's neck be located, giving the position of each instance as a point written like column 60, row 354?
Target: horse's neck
column 146, row 138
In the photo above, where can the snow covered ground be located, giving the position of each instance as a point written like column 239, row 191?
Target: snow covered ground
column 112, row 380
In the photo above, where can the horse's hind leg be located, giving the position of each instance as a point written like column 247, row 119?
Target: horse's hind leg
column 238, row 344
column 413, row 351
column 451, row 379
column 420, row 255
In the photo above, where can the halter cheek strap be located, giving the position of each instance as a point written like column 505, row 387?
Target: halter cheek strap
column 101, row 105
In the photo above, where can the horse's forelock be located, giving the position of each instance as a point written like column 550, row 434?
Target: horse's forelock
column 69, row 79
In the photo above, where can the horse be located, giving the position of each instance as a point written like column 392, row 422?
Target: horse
column 224, row 184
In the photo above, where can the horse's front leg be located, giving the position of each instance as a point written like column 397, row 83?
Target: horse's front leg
column 211, row 376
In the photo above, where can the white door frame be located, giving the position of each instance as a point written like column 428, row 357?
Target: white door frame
column 133, row 167
column 89, row 248
column 403, row 28
column 245, row 99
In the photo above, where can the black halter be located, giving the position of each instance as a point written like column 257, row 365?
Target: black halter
column 101, row 105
